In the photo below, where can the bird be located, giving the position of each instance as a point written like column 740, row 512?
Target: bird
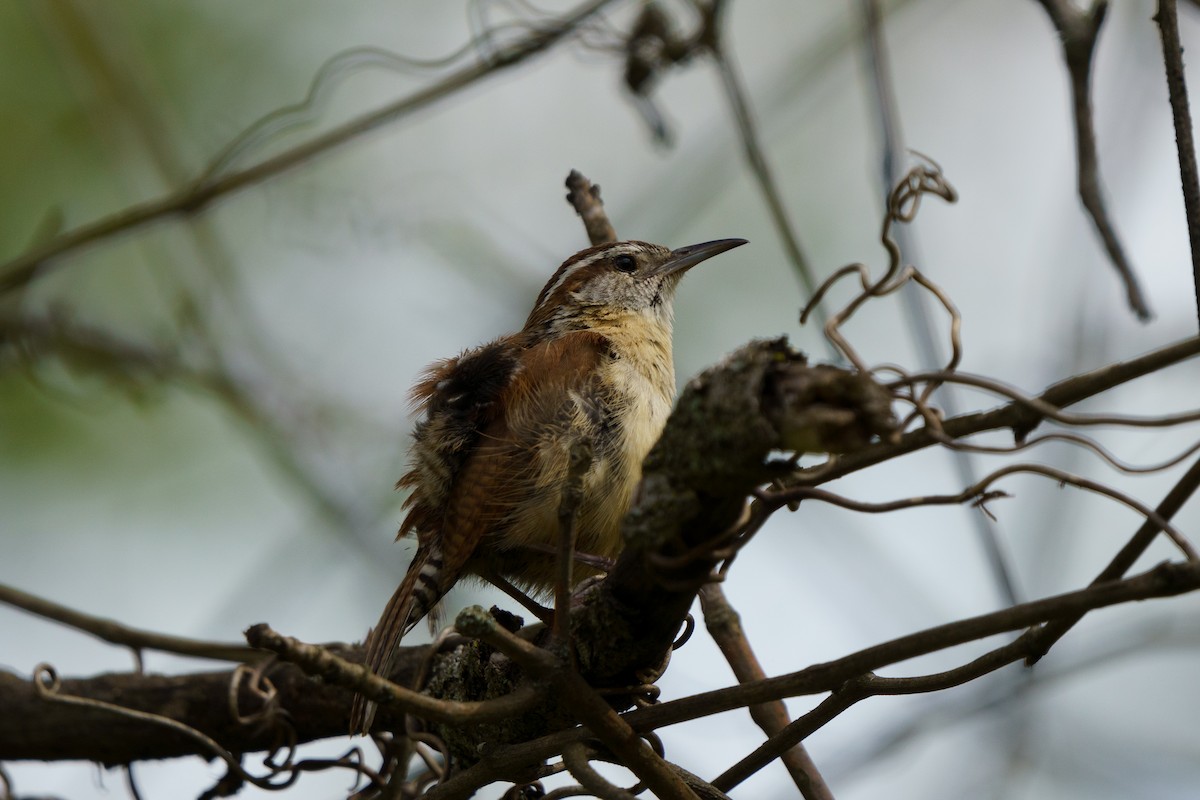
column 491, row 451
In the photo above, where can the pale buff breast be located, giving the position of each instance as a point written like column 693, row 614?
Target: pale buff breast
column 645, row 393
column 646, row 376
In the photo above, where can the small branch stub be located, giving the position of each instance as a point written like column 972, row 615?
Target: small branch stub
column 584, row 197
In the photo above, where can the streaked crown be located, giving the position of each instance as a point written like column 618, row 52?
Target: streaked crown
column 620, row 277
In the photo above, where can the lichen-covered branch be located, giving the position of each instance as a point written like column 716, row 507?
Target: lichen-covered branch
column 35, row 728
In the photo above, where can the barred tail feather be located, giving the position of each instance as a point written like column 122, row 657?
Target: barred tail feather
column 416, row 595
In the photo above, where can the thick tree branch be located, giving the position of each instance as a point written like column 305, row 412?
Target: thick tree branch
column 319, row 662
column 35, row 728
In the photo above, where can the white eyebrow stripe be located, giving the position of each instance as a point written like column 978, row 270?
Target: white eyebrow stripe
column 618, row 248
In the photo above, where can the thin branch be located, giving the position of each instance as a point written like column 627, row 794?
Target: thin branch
column 972, row 494
column 1165, row 580
column 725, row 627
column 1014, row 415
column 756, row 158
column 1078, row 29
column 1044, row 638
column 575, row 756
column 1168, row 25
column 870, row 685
column 918, row 315
column 980, row 494
column 198, row 194
column 787, row 738
column 584, row 197
column 1004, row 695
column 1044, row 409
column 336, row 68
column 116, row 633
column 1085, row 442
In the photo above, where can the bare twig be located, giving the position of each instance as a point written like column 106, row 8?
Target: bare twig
column 197, row 195
column 116, row 633
column 725, row 627
column 1078, row 30
column 1085, row 442
column 1168, row 25
column 972, row 494
column 575, row 756
column 980, row 494
column 337, row 67
column 1165, row 580
column 918, row 315
column 903, row 202
column 584, row 197
column 1044, row 638
column 756, row 159
column 1047, row 410
column 1015, row 415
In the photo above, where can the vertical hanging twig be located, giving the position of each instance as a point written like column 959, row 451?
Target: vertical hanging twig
column 1168, row 26
column 756, row 157
column 1078, row 29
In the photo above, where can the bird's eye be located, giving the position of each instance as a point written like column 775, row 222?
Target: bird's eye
column 625, row 263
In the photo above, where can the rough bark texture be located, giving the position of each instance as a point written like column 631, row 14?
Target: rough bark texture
column 32, row 728
column 715, row 449
column 713, row 452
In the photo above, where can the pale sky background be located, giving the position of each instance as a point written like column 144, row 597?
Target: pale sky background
column 328, row 289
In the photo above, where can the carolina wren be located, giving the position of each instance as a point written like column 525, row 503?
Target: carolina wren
column 490, row 457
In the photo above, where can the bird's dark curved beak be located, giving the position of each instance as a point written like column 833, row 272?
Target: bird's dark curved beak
column 687, row 257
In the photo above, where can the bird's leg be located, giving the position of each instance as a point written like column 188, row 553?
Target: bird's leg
column 598, row 563
column 579, row 462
